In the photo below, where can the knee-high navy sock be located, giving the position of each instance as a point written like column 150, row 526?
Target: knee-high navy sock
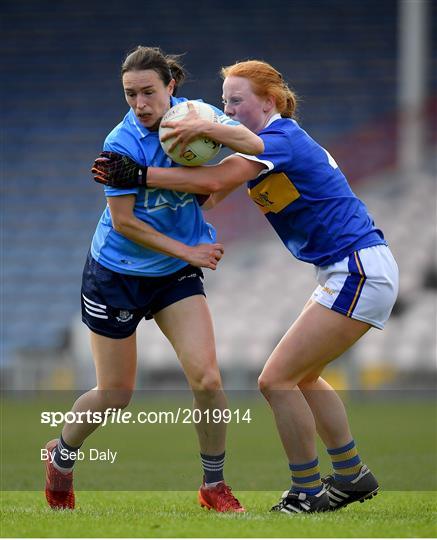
column 213, row 468
column 65, row 456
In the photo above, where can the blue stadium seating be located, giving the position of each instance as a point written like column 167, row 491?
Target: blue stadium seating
column 61, row 95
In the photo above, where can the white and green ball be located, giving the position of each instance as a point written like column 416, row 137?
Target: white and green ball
column 199, row 150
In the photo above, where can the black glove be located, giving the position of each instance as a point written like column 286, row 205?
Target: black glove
column 116, row 170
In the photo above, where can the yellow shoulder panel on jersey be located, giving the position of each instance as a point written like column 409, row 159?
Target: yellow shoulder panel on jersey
column 274, row 193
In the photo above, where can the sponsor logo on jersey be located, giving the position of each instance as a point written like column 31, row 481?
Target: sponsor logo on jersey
column 274, row 193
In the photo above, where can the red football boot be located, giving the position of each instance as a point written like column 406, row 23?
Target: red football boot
column 59, row 486
column 219, row 498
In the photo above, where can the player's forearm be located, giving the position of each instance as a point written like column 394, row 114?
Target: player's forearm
column 202, row 180
column 237, row 138
column 139, row 232
column 226, row 176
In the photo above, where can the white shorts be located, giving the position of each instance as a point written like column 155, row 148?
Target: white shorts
column 363, row 286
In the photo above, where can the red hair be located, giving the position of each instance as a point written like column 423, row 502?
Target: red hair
column 265, row 81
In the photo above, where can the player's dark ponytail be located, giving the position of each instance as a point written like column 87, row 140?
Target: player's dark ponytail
column 168, row 67
column 177, row 70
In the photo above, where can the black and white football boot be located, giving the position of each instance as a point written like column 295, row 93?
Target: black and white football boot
column 340, row 493
column 297, row 503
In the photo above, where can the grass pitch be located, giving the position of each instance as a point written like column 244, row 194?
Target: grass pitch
column 135, row 497
column 176, row 514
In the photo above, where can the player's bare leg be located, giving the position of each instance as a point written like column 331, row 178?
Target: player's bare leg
column 317, row 337
column 180, row 322
column 115, row 362
column 328, row 409
column 197, row 356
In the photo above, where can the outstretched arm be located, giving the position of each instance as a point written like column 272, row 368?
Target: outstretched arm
column 227, row 175
column 116, row 170
column 127, row 224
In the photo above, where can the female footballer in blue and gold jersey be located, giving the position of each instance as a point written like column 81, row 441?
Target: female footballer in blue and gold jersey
column 302, row 192
column 144, row 262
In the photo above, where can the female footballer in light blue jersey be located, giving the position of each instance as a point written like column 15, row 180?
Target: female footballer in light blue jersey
column 145, row 261
column 302, row 192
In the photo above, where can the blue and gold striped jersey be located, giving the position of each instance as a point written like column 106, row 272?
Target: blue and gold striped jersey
column 307, row 199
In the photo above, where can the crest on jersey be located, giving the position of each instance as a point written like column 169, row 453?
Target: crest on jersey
column 124, row 316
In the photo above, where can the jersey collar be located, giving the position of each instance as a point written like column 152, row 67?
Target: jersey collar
column 275, row 117
column 140, row 129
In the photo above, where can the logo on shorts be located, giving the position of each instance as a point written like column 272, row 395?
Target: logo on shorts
column 185, row 277
column 328, row 290
column 124, row 316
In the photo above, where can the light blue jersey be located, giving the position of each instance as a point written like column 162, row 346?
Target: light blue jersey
column 172, row 213
column 306, row 198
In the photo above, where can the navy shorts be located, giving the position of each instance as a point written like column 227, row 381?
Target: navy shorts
column 113, row 304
